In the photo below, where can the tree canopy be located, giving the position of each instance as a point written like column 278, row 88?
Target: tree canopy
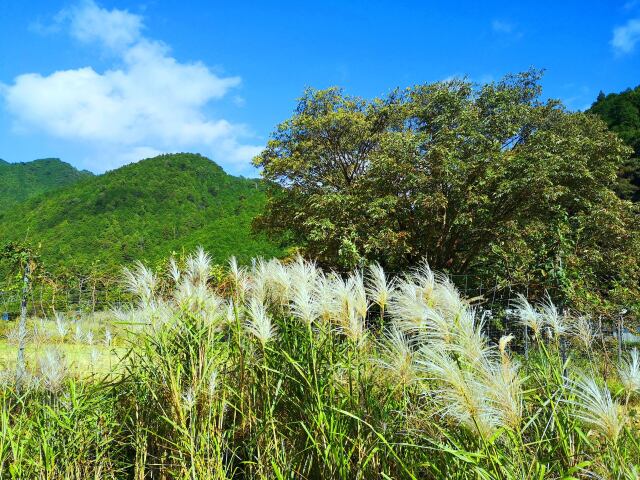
column 486, row 179
column 621, row 112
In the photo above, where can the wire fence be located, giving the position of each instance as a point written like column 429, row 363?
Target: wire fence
column 492, row 298
column 79, row 295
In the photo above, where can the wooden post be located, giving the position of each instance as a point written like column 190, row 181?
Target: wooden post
column 563, row 346
column 620, row 328
column 21, row 369
column 93, row 295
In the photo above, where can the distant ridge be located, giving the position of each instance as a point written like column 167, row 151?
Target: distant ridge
column 143, row 210
column 21, row 181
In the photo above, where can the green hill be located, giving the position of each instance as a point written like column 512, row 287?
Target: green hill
column 144, row 210
column 621, row 111
column 20, row 181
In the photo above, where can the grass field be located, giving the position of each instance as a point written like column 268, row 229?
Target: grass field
column 88, row 345
column 287, row 372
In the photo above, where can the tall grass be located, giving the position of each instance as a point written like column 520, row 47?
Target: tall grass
column 287, row 371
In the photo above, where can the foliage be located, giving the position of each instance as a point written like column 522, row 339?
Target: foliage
column 285, row 371
column 15, row 257
column 621, row 112
column 489, row 180
column 144, row 210
column 20, row 181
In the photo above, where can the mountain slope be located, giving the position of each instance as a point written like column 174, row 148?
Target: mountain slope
column 144, row 211
column 20, row 181
column 621, row 112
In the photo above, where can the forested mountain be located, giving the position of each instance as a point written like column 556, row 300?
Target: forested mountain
column 20, row 181
column 621, row 111
column 143, row 211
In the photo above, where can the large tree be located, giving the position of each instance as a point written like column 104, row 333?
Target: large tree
column 484, row 179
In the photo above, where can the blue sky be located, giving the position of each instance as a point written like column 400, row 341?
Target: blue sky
column 100, row 84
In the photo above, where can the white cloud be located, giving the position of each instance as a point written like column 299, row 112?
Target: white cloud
column 150, row 103
column 625, row 37
column 114, row 29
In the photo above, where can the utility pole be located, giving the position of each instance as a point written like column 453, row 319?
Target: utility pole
column 21, row 369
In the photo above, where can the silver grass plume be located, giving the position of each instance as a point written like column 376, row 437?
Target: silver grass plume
column 302, row 272
column 424, row 279
column 461, row 394
column 141, row 282
column 505, row 390
column 527, row 315
column 582, row 332
column 199, row 267
column 354, row 328
column 53, row 369
column 303, row 304
column 343, row 299
column 174, row 271
column 239, row 278
column 446, row 296
column 95, row 357
column 189, row 399
column 504, row 341
column 279, row 283
column 468, row 340
column 230, row 313
column 324, row 297
column 629, row 373
column 360, row 302
column 78, row 335
column 397, row 356
column 259, row 323
column 554, row 319
column 437, row 327
column 594, row 406
column 61, row 326
column 408, row 306
column 258, row 288
column 379, row 288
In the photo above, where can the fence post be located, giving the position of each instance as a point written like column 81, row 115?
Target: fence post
column 563, row 349
column 22, row 327
column 620, row 330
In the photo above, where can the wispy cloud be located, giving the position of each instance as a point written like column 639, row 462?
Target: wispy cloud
column 631, row 4
column 626, row 37
column 506, row 29
column 149, row 102
column 500, row 26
